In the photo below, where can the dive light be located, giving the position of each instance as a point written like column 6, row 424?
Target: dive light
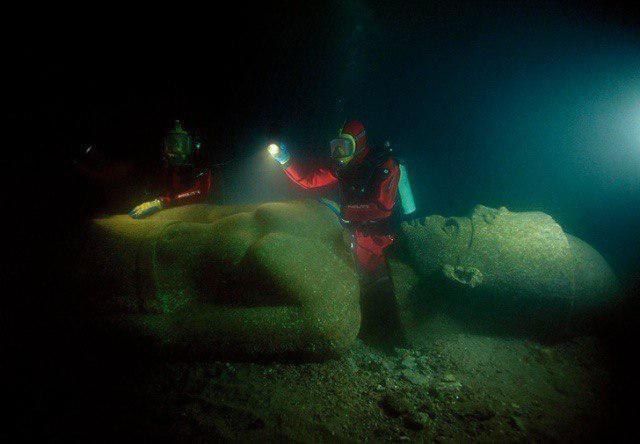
column 273, row 149
column 279, row 153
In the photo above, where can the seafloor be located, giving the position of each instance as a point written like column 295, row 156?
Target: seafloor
column 458, row 387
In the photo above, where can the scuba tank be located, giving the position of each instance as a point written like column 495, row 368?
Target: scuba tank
column 405, row 192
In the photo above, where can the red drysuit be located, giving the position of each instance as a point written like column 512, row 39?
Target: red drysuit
column 185, row 185
column 368, row 189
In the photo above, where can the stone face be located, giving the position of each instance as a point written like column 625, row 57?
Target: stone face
column 498, row 269
column 429, row 243
column 521, row 255
column 524, row 254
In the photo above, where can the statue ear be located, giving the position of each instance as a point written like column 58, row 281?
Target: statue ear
column 467, row 276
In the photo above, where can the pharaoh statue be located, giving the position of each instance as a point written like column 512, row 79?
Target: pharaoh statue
column 278, row 279
column 274, row 279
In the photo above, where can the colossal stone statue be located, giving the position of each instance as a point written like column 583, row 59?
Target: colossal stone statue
column 278, row 279
column 498, row 270
column 273, row 279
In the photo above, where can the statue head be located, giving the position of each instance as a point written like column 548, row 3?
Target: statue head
column 434, row 241
column 522, row 253
column 507, row 266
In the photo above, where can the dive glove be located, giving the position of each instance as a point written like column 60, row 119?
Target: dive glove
column 146, row 209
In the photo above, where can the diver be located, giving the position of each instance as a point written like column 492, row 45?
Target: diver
column 369, row 180
column 187, row 179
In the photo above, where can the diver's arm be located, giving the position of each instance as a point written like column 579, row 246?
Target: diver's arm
column 385, row 197
column 297, row 172
column 316, row 178
column 197, row 193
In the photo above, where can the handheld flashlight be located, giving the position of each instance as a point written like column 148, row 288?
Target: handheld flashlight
column 279, row 153
column 273, row 149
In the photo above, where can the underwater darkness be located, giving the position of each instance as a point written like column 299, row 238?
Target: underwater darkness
column 532, row 105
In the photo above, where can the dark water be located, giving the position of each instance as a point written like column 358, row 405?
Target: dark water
column 528, row 105
column 531, row 107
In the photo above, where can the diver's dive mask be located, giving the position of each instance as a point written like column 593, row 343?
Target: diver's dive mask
column 343, row 148
column 178, row 147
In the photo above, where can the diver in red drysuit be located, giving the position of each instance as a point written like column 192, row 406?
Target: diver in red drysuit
column 187, row 178
column 368, row 181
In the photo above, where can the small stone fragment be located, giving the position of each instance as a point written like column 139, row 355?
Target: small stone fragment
column 517, row 423
column 414, row 377
column 395, row 404
column 417, row 420
column 477, row 412
column 408, row 362
column 448, row 377
column 389, row 366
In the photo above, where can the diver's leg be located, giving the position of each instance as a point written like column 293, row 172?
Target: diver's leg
column 381, row 322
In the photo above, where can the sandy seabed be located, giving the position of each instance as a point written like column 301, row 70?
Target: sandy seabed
column 457, row 387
